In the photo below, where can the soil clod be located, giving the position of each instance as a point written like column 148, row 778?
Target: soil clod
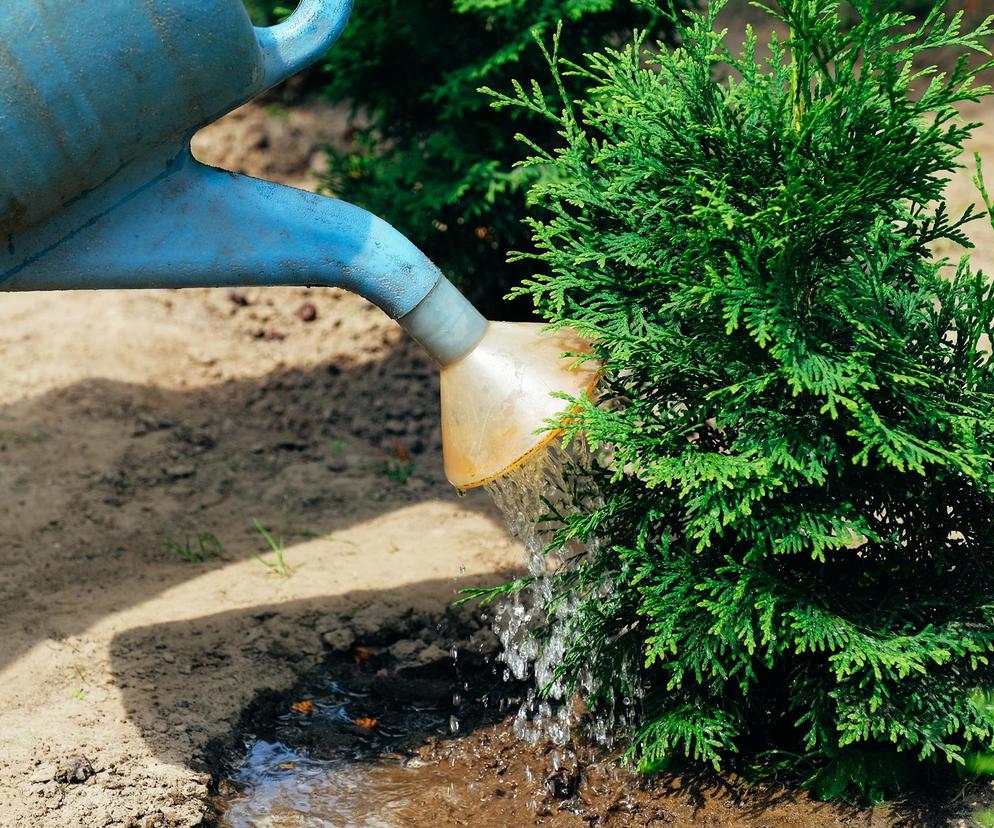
column 270, row 335
column 563, row 783
column 237, row 296
column 76, row 769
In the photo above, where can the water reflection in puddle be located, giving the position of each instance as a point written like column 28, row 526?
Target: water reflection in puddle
column 336, row 759
column 285, row 788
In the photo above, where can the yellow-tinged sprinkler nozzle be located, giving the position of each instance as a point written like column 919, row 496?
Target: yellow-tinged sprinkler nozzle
column 497, row 382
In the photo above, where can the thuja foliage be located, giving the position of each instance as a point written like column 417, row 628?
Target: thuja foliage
column 796, row 420
column 434, row 158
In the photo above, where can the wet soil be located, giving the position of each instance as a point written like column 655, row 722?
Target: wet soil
column 341, row 747
column 408, row 733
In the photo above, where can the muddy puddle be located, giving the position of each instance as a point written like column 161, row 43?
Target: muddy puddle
column 380, row 739
column 354, row 745
column 332, row 760
column 371, row 742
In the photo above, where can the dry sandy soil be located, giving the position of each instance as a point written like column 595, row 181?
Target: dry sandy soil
column 132, row 421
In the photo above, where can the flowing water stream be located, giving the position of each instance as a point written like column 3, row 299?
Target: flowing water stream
column 530, row 498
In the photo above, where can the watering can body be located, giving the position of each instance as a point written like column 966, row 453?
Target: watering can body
column 98, row 189
column 98, row 103
column 91, row 88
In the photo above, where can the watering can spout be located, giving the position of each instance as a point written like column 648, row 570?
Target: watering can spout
column 501, row 383
column 184, row 224
column 500, row 401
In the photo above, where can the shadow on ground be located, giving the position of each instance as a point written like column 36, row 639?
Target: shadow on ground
column 170, row 699
column 102, row 480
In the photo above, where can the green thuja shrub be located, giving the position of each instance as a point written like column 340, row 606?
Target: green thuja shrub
column 796, row 420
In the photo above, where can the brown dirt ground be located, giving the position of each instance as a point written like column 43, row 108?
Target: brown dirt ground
column 129, row 420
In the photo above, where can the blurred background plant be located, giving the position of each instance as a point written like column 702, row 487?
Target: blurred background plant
column 431, row 156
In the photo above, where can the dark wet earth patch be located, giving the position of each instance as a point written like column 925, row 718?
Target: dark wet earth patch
column 344, row 746
column 392, row 734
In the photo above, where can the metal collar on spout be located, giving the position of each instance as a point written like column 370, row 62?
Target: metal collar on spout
column 445, row 324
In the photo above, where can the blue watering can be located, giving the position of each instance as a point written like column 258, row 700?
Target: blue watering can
column 98, row 189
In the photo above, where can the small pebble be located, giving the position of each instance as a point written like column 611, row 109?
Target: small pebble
column 339, row 638
column 307, row 312
column 406, row 648
column 270, row 335
column 44, row 773
column 238, row 297
column 431, row 654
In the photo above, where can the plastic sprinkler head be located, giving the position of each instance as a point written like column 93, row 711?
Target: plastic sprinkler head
column 497, row 381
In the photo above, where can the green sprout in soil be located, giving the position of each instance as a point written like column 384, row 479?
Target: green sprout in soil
column 796, row 420
column 278, row 111
column 80, row 693
column 398, row 465
column 278, row 564
column 398, row 470
column 204, row 546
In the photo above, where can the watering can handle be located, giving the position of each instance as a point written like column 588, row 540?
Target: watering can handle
column 301, row 39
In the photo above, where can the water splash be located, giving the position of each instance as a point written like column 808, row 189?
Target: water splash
column 529, row 498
